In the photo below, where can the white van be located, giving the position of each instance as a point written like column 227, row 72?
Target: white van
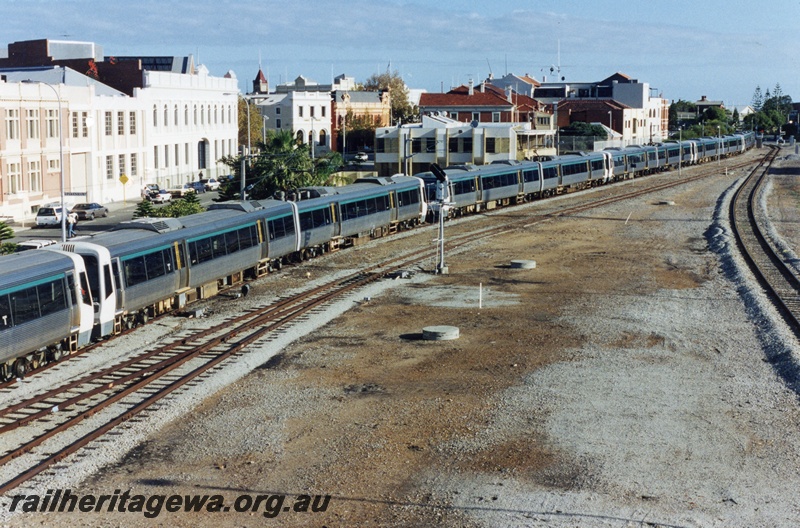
column 50, row 214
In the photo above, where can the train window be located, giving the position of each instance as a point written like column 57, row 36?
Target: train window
column 464, row 186
column 320, row 217
column 204, row 251
column 5, row 313
column 107, row 279
column 550, row 173
column 248, row 237
column 86, row 297
column 93, row 270
column 51, row 297
column 135, row 271
column 71, row 289
column 25, row 305
column 281, row 227
column 531, row 175
column 306, row 221
column 232, row 241
column 154, row 265
column 597, row 165
column 218, row 244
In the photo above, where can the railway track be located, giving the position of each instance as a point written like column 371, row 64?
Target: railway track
column 749, row 226
column 123, row 390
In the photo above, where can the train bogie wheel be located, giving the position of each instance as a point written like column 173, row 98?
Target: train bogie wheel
column 21, row 368
column 55, row 353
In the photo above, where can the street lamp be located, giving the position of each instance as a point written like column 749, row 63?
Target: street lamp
column 60, row 156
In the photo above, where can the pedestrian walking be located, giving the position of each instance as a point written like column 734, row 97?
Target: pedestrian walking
column 71, row 221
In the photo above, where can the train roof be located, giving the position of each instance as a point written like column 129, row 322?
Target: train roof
column 31, row 266
column 361, row 187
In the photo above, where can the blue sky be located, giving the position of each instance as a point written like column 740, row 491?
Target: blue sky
column 684, row 49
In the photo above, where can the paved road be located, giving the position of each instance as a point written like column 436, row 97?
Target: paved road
column 118, row 212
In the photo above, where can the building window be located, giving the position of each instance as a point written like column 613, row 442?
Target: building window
column 53, row 165
column 177, row 154
column 322, row 111
column 490, row 147
column 195, row 115
column 85, row 124
column 75, row 123
column 454, row 115
column 155, row 157
column 300, row 111
column 311, row 111
column 277, row 110
column 176, row 115
column 52, row 124
column 186, row 154
column 495, row 117
column 121, row 162
column 134, row 167
column 132, row 117
column 166, row 116
column 35, row 176
column 186, row 115
column 12, row 124
column 476, row 116
column 452, row 145
column 380, row 144
column 155, row 116
column 109, row 167
column 120, row 123
column 202, row 115
column 277, row 123
column 108, row 123
column 430, row 144
column 466, row 144
column 33, row 123
column 14, row 178
column 166, row 155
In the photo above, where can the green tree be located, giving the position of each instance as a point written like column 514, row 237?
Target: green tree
column 402, row 109
column 254, row 135
column 186, row 206
column 281, row 165
column 758, row 99
column 144, row 209
column 580, row 128
column 6, row 233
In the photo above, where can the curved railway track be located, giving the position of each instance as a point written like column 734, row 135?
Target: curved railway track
column 125, row 389
column 749, row 225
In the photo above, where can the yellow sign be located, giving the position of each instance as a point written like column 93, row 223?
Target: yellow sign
column 123, row 179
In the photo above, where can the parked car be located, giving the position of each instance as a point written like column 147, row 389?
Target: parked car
column 161, row 196
column 211, row 184
column 89, row 211
column 198, row 187
column 33, row 244
column 361, row 157
column 50, row 214
column 183, row 190
column 150, row 190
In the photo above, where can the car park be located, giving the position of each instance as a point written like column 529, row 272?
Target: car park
column 90, row 211
column 211, row 184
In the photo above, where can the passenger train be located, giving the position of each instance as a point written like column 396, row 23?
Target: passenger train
column 60, row 298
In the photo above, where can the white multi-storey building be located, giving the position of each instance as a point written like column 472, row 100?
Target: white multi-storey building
column 170, row 129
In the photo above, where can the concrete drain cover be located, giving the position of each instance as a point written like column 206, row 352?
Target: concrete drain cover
column 523, row 264
column 439, row 333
